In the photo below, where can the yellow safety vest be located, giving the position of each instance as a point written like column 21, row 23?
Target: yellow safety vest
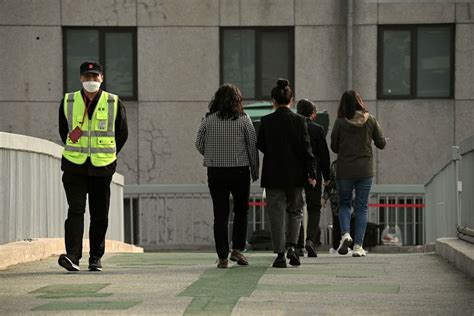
column 98, row 134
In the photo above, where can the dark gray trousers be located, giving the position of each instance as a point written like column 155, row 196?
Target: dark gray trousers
column 284, row 205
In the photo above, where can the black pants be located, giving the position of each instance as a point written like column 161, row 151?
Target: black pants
column 313, row 207
column 336, row 231
column 77, row 187
column 222, row 182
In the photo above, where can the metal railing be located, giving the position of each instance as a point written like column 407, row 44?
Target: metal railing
column 32, row 199
column 449, row 195
column 180, row 216
column 402, row 206
column 466, row 177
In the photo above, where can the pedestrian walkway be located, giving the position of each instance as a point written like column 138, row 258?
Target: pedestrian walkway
column 177, row 283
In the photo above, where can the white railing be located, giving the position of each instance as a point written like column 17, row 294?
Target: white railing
column 450, row 194
column 180, row 216
column 466, row 177
column 32, row 199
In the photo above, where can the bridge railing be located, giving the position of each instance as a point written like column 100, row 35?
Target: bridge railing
column 450, row 195
column 180, row 216
column 32, row 199
column 466, row 176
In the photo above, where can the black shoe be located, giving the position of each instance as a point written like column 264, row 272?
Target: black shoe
column 294, row 259
column 280, row 262
column 95, row 264
column 68, row 262
column 311, row 249
column 300, row 251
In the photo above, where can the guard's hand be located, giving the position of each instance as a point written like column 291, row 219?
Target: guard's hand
column 312, row 182
column 326, row 183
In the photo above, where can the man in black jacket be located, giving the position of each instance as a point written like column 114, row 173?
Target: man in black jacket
column 288, row 164
column 313, row 194
column 93, row 127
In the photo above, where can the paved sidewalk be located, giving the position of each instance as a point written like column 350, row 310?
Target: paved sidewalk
column 172, row 283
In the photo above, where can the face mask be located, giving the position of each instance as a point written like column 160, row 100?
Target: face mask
column 91, row 86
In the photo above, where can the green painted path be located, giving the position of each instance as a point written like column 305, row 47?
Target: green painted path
column 218, row 290
column 181, row 283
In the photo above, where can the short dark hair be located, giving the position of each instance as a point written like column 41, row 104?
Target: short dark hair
column 227, row 102
column 305, row 107
column 350, row 102
column 282, row 93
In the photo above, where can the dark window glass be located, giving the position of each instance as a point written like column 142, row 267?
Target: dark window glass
column 119, row 62
column 434, row 61
column 114, row 48
column 396, row 66
column 275, row 59
column 416, row 61
column 81, row 45
column 239, row 60
column 254, row 58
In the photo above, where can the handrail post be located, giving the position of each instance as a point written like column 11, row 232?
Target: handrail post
column 456, row 156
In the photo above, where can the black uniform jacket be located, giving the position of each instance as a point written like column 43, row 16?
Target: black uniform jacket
column 320, row 149
column 121, row 135
column 284, row 141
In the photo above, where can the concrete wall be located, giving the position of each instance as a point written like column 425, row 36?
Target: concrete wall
column 178, row 72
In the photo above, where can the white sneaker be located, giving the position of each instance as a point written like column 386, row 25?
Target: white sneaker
column 346, row 241
column 358, row 251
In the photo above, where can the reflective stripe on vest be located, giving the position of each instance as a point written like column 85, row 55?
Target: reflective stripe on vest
column 92, row 150
column 97, row 140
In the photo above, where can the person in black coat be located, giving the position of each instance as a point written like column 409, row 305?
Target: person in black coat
column 288, row 164
column 313, row 194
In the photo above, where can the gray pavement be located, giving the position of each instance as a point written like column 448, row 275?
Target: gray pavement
column 177, row 283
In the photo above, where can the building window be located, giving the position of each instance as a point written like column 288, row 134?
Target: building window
column 254, row 58
column 415, row 61
column 114, row 48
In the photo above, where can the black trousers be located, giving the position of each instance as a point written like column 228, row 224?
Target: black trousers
column 336, row 231
column 313, row 207
column 77, row 188
column 222, row 182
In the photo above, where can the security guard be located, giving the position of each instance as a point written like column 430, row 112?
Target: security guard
column 93, row 127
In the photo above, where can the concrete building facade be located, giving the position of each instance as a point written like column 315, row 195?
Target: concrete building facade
column 178, row 69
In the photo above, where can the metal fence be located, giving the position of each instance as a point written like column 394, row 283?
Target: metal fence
column 400, row 206
column 32, row 199
column 180, row 216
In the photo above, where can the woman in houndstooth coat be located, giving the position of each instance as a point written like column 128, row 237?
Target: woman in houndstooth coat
column 227, row 140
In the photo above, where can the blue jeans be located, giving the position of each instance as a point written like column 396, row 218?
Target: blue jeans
column 361, row 204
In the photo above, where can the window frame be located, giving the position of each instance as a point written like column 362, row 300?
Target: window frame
column 102, row 31
column 258, row 61
column 413, row 28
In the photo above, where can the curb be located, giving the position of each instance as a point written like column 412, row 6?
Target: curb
column 38, row 249
column 458, row 252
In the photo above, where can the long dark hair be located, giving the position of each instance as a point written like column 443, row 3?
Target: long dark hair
column 227, row 102
column 350, row 103
column 282, row 93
